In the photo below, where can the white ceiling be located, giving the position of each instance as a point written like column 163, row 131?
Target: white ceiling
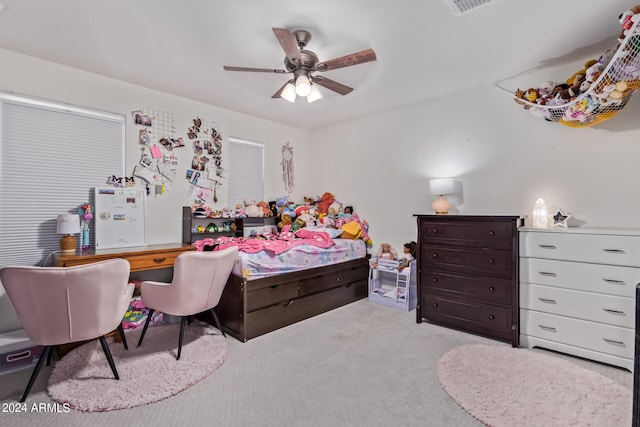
column 424, row 51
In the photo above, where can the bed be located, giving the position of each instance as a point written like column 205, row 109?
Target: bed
column 277, row 282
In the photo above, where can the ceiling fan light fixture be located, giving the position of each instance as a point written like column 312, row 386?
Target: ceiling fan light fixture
column 314, row 95
column 303, row 86
column 289, row 92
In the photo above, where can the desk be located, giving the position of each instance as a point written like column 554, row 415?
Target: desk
column 140, row 258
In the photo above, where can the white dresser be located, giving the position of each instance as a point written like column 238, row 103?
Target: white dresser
column 577, row 291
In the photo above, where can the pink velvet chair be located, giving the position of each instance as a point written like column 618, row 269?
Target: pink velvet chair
column 58, row 305
column 197, row 284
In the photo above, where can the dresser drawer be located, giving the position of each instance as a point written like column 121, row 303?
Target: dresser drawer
column 606, row 279
column 490, row 290
column 594, row 336
column 270, row 295
column 469, row 315
column 469, row 233
column 594, row 248
column 609, row 309
column 486, row 261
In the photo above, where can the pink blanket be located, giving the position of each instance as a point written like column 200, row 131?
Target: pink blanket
column 273, row 244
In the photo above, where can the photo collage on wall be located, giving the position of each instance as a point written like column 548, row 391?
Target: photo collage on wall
column 206, row 173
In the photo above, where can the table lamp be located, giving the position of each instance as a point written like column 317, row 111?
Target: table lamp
column 440, row 187
column 68, row 224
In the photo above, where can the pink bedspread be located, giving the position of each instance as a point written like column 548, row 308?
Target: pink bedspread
column 272, row 244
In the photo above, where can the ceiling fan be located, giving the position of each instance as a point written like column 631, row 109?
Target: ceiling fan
column 303, row 63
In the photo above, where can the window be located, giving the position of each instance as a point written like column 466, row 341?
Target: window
column 246, row 171
column 51, row 157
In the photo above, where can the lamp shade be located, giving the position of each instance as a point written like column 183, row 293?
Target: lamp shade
column 289, row 92
column 440, row 186
column 314, row 95
column 68, row 224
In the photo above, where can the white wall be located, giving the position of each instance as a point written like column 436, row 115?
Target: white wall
column 31, row 76
column 505, row 158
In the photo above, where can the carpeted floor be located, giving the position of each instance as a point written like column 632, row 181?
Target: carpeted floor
column 359, row 365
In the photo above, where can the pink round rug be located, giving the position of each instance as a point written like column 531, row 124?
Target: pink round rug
column 505, row 386
column 148, row 373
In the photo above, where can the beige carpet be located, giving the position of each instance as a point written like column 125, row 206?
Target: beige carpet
column 506, row 387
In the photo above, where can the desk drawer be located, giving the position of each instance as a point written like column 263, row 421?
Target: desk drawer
column 152, row 261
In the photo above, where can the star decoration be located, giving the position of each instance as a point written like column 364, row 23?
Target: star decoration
column 560, row 218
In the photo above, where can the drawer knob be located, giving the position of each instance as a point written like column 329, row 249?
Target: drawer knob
column 547, row 246
column 614, row 251
column 435, row 305
column 614, row 281
column 548, row 328
column 547, row 300
column 492, row 233
column 434, row 279
column 612, row 311
column 435, row 255
column 492, row 261
column 492, row 317
column 159, row 260
column 492, row 289
column 435, row 230
column 547, row 274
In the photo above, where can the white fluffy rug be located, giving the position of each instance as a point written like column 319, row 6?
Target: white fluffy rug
column 148, row 373
column 504, row 386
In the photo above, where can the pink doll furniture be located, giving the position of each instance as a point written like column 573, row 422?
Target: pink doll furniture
column 197, row 284
column 60, row 305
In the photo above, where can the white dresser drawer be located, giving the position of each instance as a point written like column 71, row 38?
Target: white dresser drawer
column 607, row 339
column 593, row 248
column 609, row 309
column 606, row 279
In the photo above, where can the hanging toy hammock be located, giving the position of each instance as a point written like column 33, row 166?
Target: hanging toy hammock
column 596, row 93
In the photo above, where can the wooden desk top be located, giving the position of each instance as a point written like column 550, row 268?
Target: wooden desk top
column 140, row 258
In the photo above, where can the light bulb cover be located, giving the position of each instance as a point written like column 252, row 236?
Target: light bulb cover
column 303, row 86
column 540, row 214
column 289, row 92
column 314, row 95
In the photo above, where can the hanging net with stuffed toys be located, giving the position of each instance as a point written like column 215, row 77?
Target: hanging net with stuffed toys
column 598, row 91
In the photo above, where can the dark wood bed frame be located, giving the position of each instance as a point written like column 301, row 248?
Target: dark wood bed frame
column 250, row 308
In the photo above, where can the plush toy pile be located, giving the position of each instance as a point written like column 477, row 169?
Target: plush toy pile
column 597, row 91
column 317, row 212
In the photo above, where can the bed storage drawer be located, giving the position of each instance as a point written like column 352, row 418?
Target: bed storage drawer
column 318, row 283
column 272, row 295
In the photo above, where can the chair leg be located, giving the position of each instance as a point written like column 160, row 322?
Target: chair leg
column 218, row 325
column 122, row 337
column 49, row 355
column 146, row 325
column 107, row 353
column 36, row 371
column 182, row 324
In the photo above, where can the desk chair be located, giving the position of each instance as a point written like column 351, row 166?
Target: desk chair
column 60, row 305
column 197, row 284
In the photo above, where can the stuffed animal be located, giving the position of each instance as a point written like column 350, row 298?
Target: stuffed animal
column 251, row 209
column 265, row 209
column 285, row 219
column 324, row 203
column 335, row 208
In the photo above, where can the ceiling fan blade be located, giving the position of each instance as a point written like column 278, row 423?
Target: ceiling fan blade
column 257, row 70
column 331, row 84
column 278, row 94
column 361, row 57
column 289, row 44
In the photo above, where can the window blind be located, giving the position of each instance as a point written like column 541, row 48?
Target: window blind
column 246, row 171
column 51, row 157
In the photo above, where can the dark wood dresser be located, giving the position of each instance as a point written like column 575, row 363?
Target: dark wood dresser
column 468, row 273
